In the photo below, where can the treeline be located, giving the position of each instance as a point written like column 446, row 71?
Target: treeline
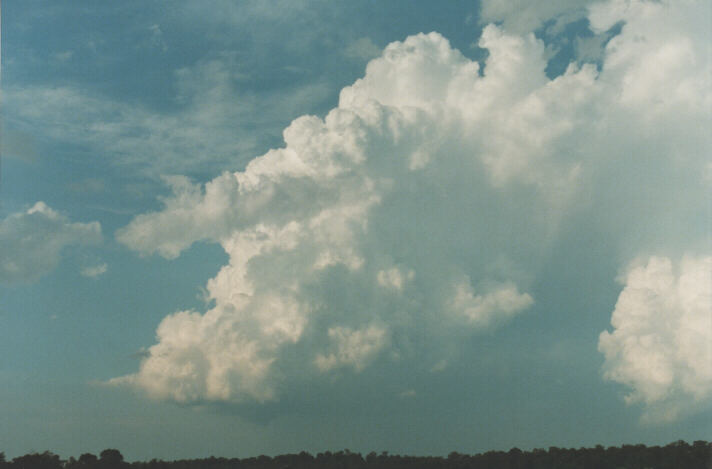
column 678, row 455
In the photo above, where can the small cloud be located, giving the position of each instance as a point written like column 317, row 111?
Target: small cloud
column 94, row 271
column 32, row 242
column 394, row 278
column 64, row 56
column 363, row 49
column 501, row 303
column 157, row 37
column 439, row 366
column 408, row 393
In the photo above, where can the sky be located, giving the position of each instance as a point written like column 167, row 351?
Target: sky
column 262, row 227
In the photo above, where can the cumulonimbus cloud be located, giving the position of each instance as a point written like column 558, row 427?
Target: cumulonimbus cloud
column 424, row 202
column 31, row 242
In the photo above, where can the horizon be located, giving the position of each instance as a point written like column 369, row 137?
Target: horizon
column 365, row 456
column 304, row 224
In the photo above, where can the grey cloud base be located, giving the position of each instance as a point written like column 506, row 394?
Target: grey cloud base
column 425, row 203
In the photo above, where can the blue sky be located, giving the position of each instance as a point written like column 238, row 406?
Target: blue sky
column 242, row 228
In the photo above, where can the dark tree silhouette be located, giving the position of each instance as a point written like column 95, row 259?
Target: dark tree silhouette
column 85, row 461
column 111, row 459
column 44, row 460
column 677, row 455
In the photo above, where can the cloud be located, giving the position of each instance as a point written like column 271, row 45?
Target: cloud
column 94, row 271
column 500, row 304
column 157, row 37
column 211, row 124
column 523, row 16
column 422, row 206
column 363, row 49
column 64, row 56
column 394, row 278
column 661, row 343
column 355, row 348
column 668, row 70
column 31, row 242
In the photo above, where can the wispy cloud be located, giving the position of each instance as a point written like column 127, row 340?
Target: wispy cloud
column 213, row 127
column 64, row 56
column 363, row 49
column 528, row 15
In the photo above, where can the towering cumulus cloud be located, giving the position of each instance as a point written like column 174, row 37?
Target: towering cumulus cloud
column 425, row 203
column 661, row 345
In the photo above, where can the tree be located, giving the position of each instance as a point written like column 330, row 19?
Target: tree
column 45, row 460
column 111, row 459
column 87, row 460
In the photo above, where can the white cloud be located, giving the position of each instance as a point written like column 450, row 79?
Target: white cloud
column 439, row 366
column 499, row 304
column 425, row 201
column 197, row 360
column 355, row 348
column 297, row 213
column 94, row 271
column 661, row 344
column 660, row 61
column 394, row 278
column 31, row 242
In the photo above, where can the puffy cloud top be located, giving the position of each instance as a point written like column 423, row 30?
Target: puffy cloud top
column 31, row 242
column 661, row 344
column 424, row 203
